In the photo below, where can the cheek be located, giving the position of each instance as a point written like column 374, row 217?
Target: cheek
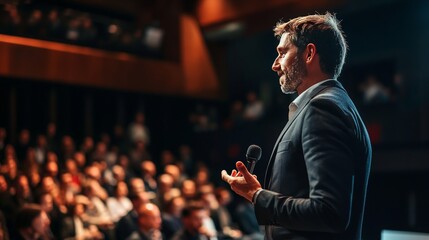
column 283, row 63
column 38, row 225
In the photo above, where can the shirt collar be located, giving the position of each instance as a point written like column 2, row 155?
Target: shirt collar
column 302, row 96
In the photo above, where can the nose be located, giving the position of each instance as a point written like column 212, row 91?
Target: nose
column 276, row 66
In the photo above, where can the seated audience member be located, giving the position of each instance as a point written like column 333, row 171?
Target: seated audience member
column 177, row 174
column 7, row 205
column 75, row 227
column 4, row 234
column 46, row 202
column 32, row 223
column 93, row 179
column 128, row 223
column 193, row 217
column 171, row 221
column 149, row 223
column 189, row 189
column 148, row 175
column 244, row 214
column 22, row 191
column 165, row 187
column 223, row 219
column 120, row 204
column 97, row 212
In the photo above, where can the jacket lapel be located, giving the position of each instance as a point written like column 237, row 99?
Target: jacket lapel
column 305, row 101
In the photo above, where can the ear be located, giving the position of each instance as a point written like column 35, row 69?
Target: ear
column 310, row 52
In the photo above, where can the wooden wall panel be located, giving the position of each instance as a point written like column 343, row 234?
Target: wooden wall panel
column 48, row 61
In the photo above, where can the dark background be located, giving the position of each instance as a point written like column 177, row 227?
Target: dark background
column 387, row 40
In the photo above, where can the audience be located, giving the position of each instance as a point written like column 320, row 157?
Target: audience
column 108, row 189
column 74, row 26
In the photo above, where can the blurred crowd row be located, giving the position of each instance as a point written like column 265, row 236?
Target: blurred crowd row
column 83, row 28
column 112, row 188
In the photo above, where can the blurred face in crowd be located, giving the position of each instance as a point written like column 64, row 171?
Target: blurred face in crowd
column 66, row 179
column 52, row 169
column 223, row 196
column 30, row 159
column 24, row 136
column 118, row 173
column 122, row 189
column 52, row 157
column 41, row 141
column 177, row 205
column 79, row 209
column 68, row 144
column 202, row 176
column 41, row 224
column 194, row 221
column 52, row 129
column 71, row 166
column 101, row 148
column 12, row 167
column 165, row 182
column 137, row 185
column 124, row 161
column 23, row 186
column 46, row 202
column 173, row 170
column 93, row 172
column 88, row 143
column 149, row 217
column 149, row 168
column 3, row 184
column 2, row 134
column 9, row 151
column 48, row 184
column 189, row 189
column 80, row 159
column 34, row 177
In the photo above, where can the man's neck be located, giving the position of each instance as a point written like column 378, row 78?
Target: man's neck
column 310, row 81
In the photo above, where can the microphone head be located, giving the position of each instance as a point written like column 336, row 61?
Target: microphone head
column 254, row 153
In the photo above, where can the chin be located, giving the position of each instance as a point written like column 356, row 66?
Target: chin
column 287, row 91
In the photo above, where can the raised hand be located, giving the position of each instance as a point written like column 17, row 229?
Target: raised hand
column 242, row 181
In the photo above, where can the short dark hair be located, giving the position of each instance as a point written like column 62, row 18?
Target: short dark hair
column 191, row 207
column 26, row 215
column 325, row 32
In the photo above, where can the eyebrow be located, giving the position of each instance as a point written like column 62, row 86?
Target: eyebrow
column 282, row 48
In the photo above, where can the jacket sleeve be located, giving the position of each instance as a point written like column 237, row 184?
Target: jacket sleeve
column 327, row 144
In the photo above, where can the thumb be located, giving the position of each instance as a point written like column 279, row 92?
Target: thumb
column 243, row 170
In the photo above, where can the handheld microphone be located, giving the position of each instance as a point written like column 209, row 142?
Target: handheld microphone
column 253, row 155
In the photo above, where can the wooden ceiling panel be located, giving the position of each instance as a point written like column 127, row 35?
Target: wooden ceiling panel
column 215, row 13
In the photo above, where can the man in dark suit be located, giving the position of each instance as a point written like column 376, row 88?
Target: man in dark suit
column 317, row 175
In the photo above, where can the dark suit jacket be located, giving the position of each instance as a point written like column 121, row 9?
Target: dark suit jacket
column 68, row 228
column 318, row 171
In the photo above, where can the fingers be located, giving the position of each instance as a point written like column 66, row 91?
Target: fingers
column 225, row 176
column 243, row 170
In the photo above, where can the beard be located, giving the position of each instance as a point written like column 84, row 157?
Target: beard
column 294, row 76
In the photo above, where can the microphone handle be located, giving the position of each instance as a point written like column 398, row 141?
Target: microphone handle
column 252, row 166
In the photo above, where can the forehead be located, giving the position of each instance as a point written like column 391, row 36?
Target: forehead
column 284, row 40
